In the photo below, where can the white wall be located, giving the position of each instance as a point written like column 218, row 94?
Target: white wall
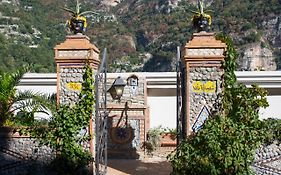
column 162, row 111
column 274, row 109
column 162, row 93
column 39, row 89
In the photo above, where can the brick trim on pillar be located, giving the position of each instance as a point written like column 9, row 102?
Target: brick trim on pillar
column 70, row 57
column 76, row 49
column 202, row 58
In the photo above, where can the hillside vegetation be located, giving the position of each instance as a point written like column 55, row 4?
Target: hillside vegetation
column 141, row 35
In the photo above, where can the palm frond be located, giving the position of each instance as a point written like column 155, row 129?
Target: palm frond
column 77, row 7
column 47, row 101
column 86, row 12
column 69, row 10
column 23, row 95
column 30, row 100
column 17, row 76
column 6, row 83
column 208, row 11
column 201, row 6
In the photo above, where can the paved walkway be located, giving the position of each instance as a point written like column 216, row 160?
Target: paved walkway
column 148, row 166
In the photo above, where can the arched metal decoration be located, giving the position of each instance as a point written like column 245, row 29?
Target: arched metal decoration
column 101, row 116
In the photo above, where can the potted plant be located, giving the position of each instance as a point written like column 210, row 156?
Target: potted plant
column 153, row 139
column 168, row 137
column 201, row 20
column 78, row 22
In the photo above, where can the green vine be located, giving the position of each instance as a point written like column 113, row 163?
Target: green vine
column 226, row 143
column 67, row 130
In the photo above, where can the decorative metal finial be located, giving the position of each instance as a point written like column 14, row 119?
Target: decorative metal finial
column 201, row 21
column 77, row 23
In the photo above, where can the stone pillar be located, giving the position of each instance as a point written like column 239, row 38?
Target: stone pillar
column 70, row 57
column 202, row 58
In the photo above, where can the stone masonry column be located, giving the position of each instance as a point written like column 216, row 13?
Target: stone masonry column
column 70, row 57
column 202, row 59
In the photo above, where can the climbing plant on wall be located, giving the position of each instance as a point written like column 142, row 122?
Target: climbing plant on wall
column 226, row 143
column 67, row 131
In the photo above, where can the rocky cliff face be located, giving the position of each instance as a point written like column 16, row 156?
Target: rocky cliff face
column 257, row 57
column 257, row 43
column 272, row 27
column 261, row 55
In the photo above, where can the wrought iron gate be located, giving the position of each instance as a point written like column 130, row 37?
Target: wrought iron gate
column 101, row 115
column 181, row 102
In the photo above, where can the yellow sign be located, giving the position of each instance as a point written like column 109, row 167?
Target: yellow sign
column 201, row 86
column 74, row 86
column 197, row 86
column 210, row 87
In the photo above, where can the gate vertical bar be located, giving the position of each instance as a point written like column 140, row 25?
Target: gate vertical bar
column 96, row 121
column 105, row 105
column 101, row 118
column 179, row 105
column 184, row 102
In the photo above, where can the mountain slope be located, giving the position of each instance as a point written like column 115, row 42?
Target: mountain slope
column 141, row 35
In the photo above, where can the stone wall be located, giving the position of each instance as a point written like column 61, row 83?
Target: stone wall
column 205, row 86
column 21, row 155
column 133, row 97
column 268, row 159
column 127, row 121
column 71, row 79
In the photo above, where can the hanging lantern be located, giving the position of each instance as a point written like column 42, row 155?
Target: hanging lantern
column 117, row 88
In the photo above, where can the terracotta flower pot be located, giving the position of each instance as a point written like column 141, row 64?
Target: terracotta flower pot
column 168, row 139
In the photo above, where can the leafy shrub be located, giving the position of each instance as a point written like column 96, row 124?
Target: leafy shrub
column 67, row 131
column 153, row 139
column 226, row 143
column 273, row 128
